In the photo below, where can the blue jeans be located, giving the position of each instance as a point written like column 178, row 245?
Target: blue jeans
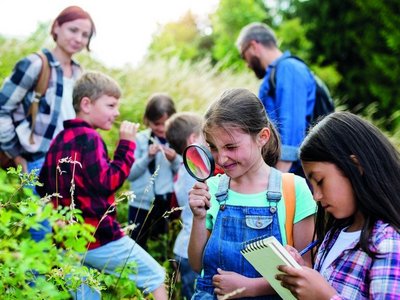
column 188, row 277
column 200, row 295
column 84, row 292
column 149, row 274
column 45, row 228
column 35, row 165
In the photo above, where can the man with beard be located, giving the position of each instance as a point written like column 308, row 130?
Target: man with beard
column 290, row 103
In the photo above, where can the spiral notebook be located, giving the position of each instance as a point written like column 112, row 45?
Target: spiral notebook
column 265, row 255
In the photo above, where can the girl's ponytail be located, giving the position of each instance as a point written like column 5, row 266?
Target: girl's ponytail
column 271, row 151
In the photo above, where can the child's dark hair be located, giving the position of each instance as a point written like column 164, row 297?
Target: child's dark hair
column 179, row 128
column 240, row 108
column 367, row 158
column 157, row 106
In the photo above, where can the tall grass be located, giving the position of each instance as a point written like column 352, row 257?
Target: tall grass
column 192, row 86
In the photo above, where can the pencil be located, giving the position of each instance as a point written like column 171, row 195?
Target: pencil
column 308, row 247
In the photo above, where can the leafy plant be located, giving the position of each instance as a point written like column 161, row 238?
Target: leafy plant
column 51, row 268
column 38, row 269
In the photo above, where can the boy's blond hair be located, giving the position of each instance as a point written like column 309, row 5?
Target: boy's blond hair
column 179, row 128
column 94, row 85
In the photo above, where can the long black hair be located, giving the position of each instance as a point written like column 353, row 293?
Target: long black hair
column 341, row 138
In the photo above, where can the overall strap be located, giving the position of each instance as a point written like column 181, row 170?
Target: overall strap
column 222, row 194
column 274, row 194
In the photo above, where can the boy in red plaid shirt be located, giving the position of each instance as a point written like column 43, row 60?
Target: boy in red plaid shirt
column 78, row 155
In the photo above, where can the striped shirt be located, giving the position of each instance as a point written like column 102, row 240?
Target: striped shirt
column 16, row 96
column 78, row 150
column 355, row 275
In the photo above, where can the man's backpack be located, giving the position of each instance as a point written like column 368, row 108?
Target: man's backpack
column 324, row 104
column 40, row 90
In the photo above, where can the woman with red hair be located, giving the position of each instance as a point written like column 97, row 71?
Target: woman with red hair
column 23, row 139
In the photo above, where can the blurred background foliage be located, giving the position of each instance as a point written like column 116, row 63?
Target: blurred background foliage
column 353, row 45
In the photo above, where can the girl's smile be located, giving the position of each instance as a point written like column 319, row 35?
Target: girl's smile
column 229, row 167
column 235, row 151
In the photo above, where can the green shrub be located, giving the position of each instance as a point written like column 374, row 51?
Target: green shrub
column 42, row 270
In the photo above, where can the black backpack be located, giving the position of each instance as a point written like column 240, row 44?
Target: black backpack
column 324, row 104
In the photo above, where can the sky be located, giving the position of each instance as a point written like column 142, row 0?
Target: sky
column 124, row 27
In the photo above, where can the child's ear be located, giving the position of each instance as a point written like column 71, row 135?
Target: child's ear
column 56, row 28
column 264, row 135
column 85, row 104
column 191, row 139
column 354, row 159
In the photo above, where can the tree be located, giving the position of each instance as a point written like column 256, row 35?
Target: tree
column 190, row 38
column 362, row 38
column 182, row 38
column 227, row 22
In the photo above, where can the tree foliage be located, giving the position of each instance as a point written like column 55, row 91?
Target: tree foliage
column 362, row 39
column 227, row 22
column 352, row 45
column 20, row 49
column 181, row 38
column 38, row 270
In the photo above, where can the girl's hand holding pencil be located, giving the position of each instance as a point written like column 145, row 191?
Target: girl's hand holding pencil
column 297, row 255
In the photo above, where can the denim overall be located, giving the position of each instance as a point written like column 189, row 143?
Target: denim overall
column 235, row 225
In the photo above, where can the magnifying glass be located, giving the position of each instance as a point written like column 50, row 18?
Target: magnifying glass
column 198, row 162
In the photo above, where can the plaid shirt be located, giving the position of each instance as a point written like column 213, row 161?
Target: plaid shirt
column 16, row 96
column 80, row 152
column 355, row 275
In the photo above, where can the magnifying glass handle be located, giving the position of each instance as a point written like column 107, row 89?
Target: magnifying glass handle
column 205, row 205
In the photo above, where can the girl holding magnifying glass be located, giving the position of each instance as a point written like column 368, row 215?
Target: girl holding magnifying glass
column 245, row 144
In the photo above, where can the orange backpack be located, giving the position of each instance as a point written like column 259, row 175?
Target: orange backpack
column 289, row 193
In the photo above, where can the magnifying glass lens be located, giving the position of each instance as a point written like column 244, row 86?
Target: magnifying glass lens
column 198, row 162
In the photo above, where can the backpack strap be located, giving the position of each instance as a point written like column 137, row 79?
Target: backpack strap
column 289, row 193
column 272, row 74
column 40, row 90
